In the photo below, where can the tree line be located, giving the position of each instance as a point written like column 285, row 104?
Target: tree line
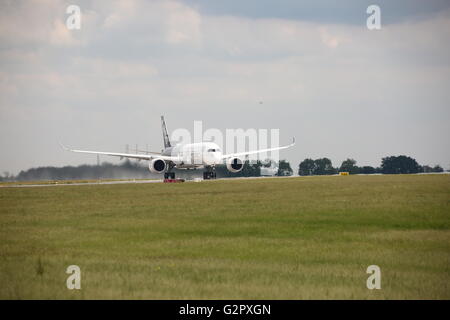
column 389, row 165
column 254, row 169
column 124, row 170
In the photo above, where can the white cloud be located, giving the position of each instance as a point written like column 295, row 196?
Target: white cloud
column 60, row 35
column 183, row 24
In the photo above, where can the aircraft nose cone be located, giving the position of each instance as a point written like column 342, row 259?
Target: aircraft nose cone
column 218, row 158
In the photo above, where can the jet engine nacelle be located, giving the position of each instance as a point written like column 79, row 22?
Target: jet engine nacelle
column 235, row 165
column 157, row 165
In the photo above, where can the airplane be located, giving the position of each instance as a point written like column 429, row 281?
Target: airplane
column 187, row 156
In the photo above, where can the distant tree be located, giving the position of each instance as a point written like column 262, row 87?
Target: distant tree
column 267, row 163
column 7, row 176
column 284, row 168
column 438, row 168
column 249, row 170
column 399, row 164
column 367, row 170
column 349, row 166
column 323, row 167
column 306, row 167
column 426, row 169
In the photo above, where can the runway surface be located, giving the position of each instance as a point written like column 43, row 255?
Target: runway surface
column 100, row 182
column 61, row 184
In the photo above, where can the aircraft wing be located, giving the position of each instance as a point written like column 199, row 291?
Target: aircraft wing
column 240, row 154
column 125, row 155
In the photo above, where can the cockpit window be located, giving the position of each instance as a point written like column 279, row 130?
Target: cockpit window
column 214, row 150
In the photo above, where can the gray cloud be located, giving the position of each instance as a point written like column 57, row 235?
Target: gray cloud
column 322, row 11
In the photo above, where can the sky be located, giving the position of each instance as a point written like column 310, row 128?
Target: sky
column 309, row 68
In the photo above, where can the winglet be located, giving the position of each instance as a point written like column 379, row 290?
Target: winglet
column 63, row 146
column 291, row 144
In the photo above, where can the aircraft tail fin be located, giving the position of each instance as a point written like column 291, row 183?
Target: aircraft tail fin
column 165, row 135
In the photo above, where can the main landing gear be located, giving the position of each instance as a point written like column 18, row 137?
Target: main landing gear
column 210, row 173
column 169, row 175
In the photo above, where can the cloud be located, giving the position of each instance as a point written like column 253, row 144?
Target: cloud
column 183, row 24
column 61, row 36
column 349, row 12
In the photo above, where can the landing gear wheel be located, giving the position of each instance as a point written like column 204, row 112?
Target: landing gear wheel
column 169, row 175
column 207, row 175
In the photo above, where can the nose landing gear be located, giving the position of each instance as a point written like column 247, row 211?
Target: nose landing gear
column 210, row 173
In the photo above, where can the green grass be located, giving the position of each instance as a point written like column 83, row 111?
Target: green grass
column 295, row 238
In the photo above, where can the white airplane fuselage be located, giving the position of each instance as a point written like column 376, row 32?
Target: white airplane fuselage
column 195, row 155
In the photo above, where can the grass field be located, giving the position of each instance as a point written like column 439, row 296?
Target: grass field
column 293, row 238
